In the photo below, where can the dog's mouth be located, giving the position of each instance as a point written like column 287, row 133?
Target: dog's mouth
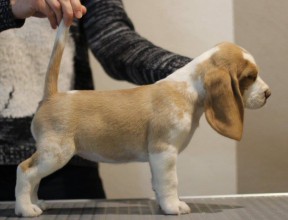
column 255, row 103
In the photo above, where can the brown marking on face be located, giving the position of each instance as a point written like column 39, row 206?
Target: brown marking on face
column 230, row 58
column 248, row 76
column 227, row 75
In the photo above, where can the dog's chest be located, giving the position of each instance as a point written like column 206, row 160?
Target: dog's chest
column 194, row 124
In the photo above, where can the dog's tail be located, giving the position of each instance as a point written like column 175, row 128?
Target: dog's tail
column 51, row 81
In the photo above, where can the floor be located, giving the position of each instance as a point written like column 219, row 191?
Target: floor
column 249, row 207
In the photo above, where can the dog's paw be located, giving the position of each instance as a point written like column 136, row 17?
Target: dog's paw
column 176, row 207
column 28, row 210
column 184, row 208
column 41, row 204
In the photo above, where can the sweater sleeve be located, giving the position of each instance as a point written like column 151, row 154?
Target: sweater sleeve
column 7, row 19
column 123, row 53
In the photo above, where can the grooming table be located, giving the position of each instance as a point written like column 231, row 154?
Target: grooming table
column 238, row 207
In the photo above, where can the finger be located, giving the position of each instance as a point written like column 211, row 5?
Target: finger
column 42, row 9
column 46, row 10
column 77, row 8
column 56, row 7
column 52, row 19
column 84, row 10
column 39, row 15
column 67, row 12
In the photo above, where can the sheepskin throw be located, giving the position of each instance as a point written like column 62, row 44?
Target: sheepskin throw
column 24, row 58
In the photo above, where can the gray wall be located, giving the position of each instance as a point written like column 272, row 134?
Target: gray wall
column 262, row 156
column 213, row 164
column 208, row 165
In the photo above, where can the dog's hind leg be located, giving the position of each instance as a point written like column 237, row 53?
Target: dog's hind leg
column 35, row 200
column 30, row 172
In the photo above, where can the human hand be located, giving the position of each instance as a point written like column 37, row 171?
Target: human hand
column 54, row 10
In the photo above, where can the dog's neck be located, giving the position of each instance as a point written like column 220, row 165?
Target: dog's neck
column 192, row 75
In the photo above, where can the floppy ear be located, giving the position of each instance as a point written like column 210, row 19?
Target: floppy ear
column 223, row 103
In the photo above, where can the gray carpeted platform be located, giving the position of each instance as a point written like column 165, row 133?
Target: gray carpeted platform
column 250, row 207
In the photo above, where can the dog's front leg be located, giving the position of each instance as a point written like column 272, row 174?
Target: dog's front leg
column 165, row 182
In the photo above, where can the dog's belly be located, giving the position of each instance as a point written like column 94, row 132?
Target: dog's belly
column 115, row 157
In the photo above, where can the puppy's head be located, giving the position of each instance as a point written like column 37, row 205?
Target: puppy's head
column 231, row 82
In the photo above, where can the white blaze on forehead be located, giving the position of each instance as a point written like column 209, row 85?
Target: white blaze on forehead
column 249, row 57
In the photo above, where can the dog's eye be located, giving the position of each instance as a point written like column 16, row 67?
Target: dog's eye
column 252, row 77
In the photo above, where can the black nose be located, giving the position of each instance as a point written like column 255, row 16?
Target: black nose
column 267, row 93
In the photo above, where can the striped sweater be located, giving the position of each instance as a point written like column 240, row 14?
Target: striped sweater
column 7, row 19
column 108, row 32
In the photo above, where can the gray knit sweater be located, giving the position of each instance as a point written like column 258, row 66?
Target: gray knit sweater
column 7, row 19
column 108, row 32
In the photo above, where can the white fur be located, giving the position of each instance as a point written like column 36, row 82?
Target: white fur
column 94, row 156
column 24, row 189
column 27, row 203
column 165, row 182
column 185, row 73
column 254, row 96
column 249, row 57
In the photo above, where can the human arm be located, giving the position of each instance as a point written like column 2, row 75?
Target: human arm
column 122, row 52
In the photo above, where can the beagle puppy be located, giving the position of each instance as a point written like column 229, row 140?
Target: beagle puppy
column 151, row 123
